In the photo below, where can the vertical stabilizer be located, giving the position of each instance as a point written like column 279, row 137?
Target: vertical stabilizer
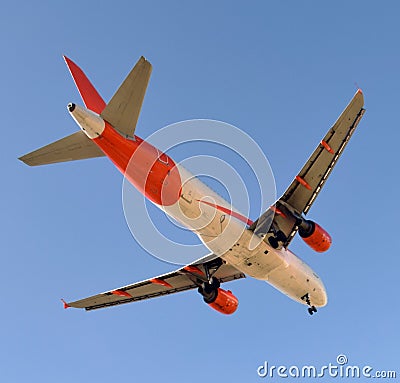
column 89, row 94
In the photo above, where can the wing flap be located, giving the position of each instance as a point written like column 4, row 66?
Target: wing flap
column 123, row 110
column 169, row 283
column 76, row 146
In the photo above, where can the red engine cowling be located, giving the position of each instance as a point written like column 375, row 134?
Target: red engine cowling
column 225, row 302
column 315, row 236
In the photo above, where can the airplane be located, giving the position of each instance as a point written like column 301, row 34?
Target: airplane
column 109, row 130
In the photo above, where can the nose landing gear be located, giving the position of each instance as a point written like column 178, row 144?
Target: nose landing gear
column 311, row 309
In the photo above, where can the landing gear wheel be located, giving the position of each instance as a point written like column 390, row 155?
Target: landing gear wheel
column 209, row 287
column 213, row 283
column 273, row 242
column 312, row 310
column 280, row 236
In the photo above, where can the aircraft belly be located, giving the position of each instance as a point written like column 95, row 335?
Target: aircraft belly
column 229, row 238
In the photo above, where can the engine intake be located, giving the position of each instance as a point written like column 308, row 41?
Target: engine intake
column 315, row 236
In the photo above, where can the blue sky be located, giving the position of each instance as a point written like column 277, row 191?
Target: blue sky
column 280, row 72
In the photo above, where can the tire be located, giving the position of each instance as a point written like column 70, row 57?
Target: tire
column 280, row 236
column 273, row 242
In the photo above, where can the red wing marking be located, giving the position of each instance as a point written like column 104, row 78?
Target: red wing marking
column 303, row 182
column 158, row 281
column 278, row 211
column 121, row 293
column 193, row 269
column 327, row 147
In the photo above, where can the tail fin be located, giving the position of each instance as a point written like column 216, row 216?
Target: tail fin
column 122, row 112
column 88, row 92
column 77, row 146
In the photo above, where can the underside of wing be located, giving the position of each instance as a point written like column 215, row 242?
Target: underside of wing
column 187, row 278
column 77, row 146
column 123, row 110
column 281, row 220
column 308, row 183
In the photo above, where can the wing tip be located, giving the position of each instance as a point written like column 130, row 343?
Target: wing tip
column 360, row 94
column 26, row 160
column 143, row 61
column 66, row 305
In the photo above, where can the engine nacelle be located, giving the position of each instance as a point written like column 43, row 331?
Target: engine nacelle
column 315, row 236
column 222, row 300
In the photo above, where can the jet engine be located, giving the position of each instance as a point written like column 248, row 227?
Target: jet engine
column 219, row 299
column 314, row 236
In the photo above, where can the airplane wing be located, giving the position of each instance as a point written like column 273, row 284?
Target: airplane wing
column 306, row 186
column 187, row 278
column 76, row 146
column 123, row 110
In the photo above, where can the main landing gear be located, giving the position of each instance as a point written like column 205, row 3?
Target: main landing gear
column 208, row 286
column 209, row 290
column 311, row 309
column 275, row 239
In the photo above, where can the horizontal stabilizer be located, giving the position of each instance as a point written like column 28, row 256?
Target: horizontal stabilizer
column 77, row 146
column 122, row 112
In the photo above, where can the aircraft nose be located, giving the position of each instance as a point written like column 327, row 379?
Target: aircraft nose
column 320, row 297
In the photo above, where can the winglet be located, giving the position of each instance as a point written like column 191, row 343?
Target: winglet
column 66, row 305
column 88, row 92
